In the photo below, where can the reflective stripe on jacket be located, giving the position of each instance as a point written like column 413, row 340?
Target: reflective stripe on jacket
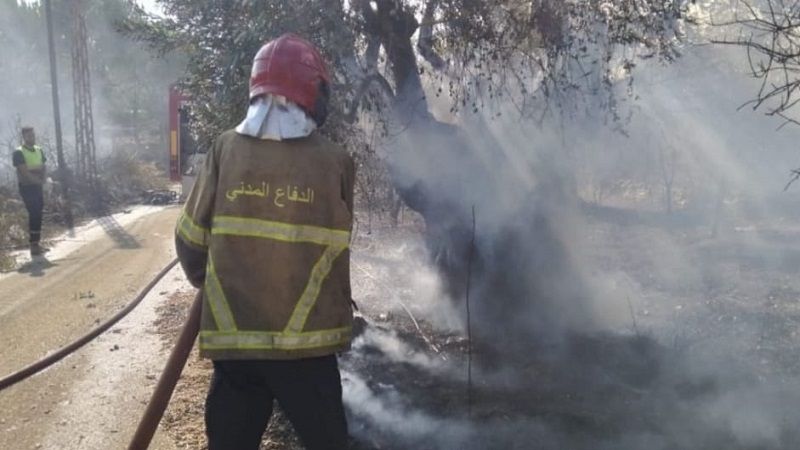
column 272, row 221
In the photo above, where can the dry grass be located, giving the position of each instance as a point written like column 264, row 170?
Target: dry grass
column 13, row 226
column 124, row 177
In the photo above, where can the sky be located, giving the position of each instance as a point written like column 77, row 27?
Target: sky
column 149, row 5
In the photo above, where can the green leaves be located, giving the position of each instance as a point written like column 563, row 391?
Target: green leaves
column 546, row 51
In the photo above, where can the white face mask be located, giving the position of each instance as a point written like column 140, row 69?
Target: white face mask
column 274, row 118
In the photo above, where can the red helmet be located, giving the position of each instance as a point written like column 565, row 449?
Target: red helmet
column 292, row 67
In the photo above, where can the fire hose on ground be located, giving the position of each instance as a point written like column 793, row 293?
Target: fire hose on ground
column 168, row 380
column 169, row 377
column 63, row 352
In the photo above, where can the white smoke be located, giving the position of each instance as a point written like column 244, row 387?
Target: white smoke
column 718, row 370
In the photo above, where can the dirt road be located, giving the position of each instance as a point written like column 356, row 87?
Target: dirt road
column 92, row 399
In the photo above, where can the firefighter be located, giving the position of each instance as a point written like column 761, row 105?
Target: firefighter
column 265, row 231
column 29, row 160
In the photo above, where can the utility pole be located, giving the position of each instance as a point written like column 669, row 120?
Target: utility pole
column 62, row 166
column 85, row 148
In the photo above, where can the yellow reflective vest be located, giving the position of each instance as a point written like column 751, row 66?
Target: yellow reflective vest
column 34, row 156
column 272, row 221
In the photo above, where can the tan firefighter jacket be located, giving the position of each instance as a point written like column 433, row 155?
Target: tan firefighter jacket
column 266, row 230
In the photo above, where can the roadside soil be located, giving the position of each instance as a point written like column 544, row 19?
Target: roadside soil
column 85, row 279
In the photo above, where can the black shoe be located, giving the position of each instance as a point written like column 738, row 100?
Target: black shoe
column 36, row 249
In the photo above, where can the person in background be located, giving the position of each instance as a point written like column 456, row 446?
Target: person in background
column 29, row 160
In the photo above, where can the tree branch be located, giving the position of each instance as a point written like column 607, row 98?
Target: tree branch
column 773, row 52
column 363, row 88
column 425, row 42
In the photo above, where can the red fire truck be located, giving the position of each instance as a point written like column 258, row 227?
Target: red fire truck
column 185, row 156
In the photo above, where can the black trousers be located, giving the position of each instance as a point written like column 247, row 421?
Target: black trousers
column 239, row 403
column 33, row 198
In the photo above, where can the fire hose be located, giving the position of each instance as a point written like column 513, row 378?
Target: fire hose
column 169, row 377
column 168, row 380
column 63, row 352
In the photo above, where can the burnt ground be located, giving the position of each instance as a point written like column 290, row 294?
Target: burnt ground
column 697, row 349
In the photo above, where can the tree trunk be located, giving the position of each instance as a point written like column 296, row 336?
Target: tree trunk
column 521, row 272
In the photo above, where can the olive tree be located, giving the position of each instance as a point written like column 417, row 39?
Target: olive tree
column 416, row 70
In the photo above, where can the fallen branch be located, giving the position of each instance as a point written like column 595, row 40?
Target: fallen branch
column 408, row 311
